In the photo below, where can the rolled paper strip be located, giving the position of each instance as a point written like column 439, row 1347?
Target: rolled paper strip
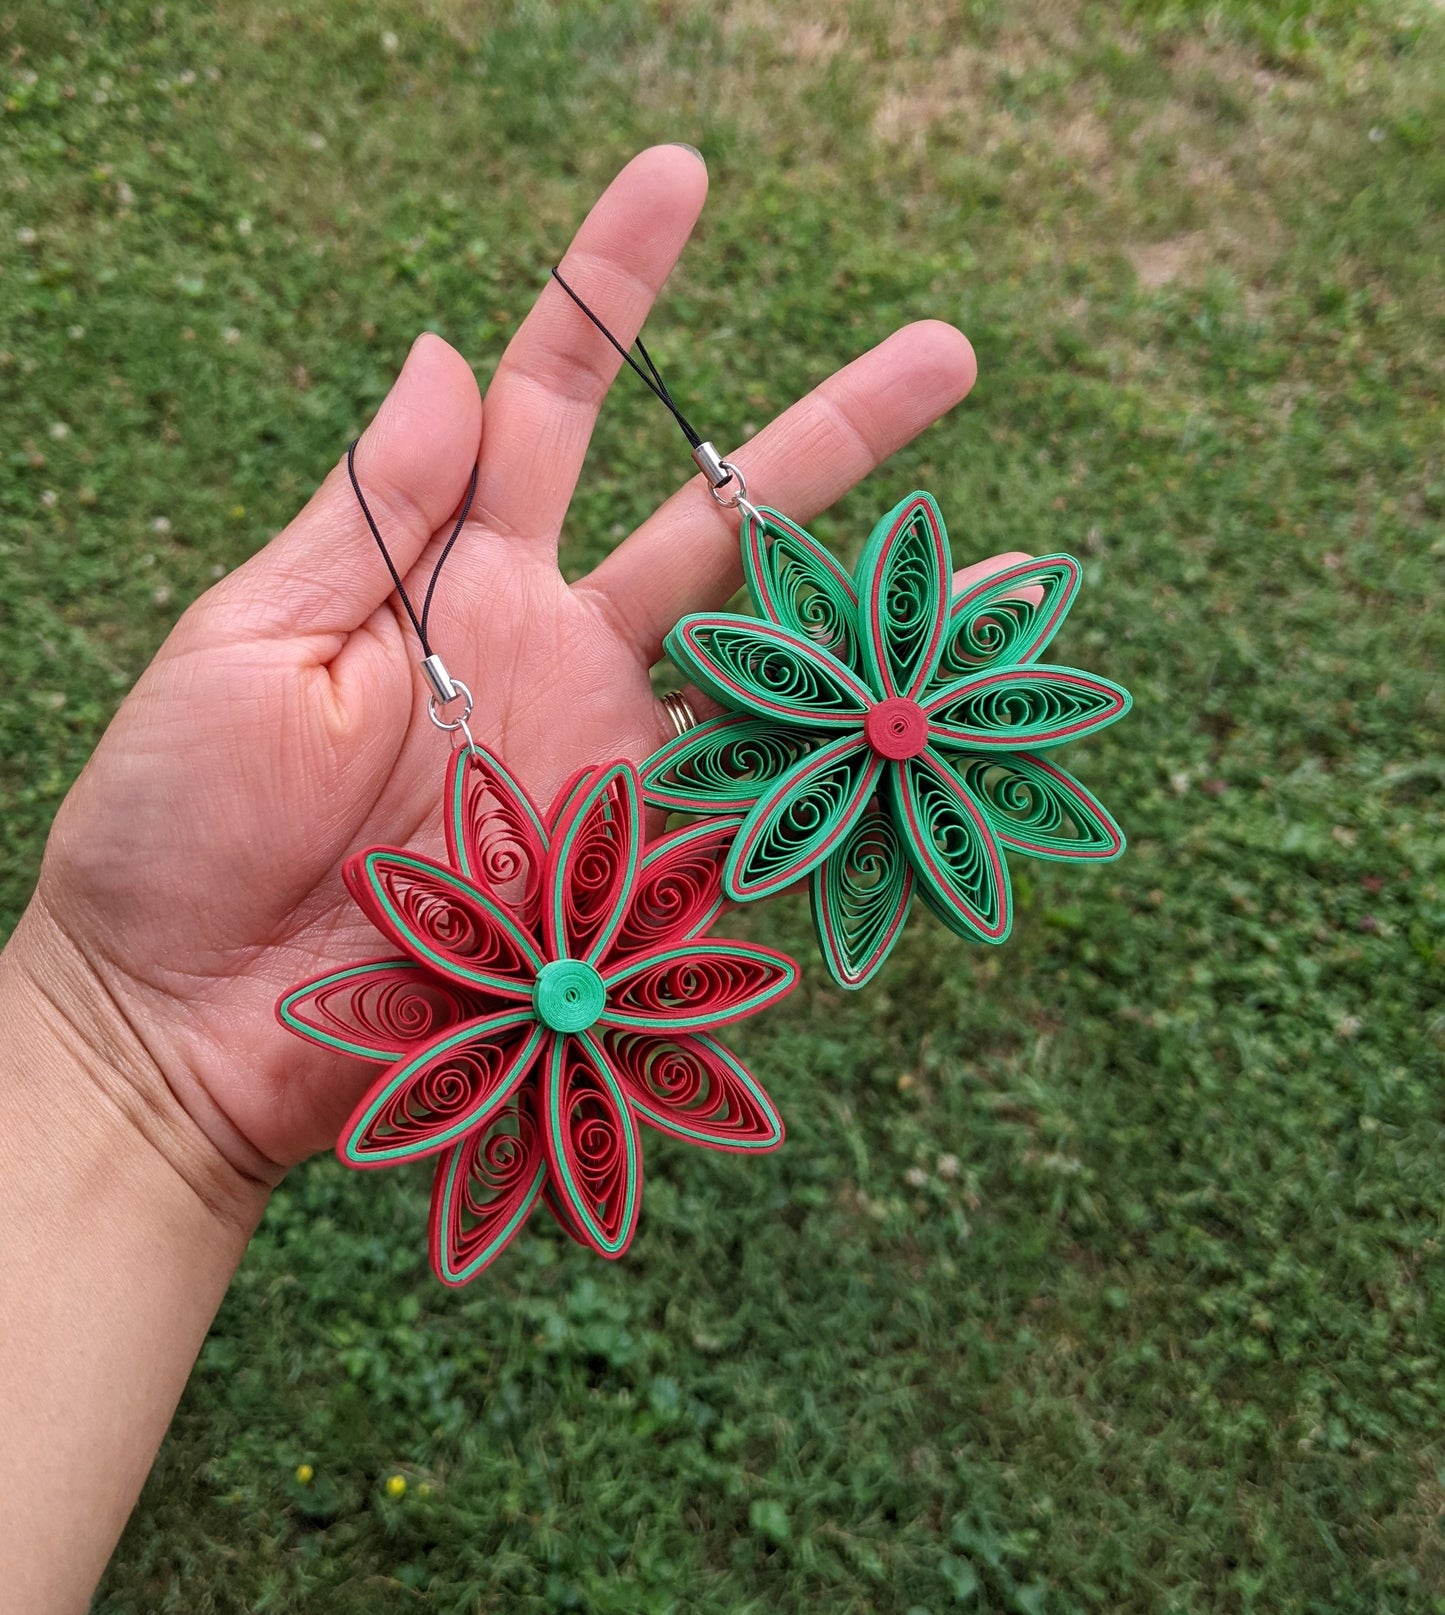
column 897, row 728
column 484, row 1190
column 904, row 580
column 494, row 836
column 562, row 1212
column 961, row 872
column 446, row 1089
column 759, row 667
column 443, row 921
column 686, row 989
column 998, row 622
column 798, row 585
column 377, row 1011
column 563, row 799
column 801, row 819
column 593, row 1157
column 569, row 995
column 1026, row 708
column 1039, row 809
column 724, row 766
column 861, row 897
column 679, row 890
column 693, row 1088
column 592, row 864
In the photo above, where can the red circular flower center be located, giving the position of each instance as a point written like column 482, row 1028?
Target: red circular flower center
column 897, row 728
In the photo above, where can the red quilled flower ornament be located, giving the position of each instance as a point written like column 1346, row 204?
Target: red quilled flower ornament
column 552, row 985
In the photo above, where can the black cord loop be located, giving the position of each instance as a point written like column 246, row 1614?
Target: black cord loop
column 418, row 623
column 651, row 376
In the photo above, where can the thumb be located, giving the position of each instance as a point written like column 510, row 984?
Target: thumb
column 324, row 573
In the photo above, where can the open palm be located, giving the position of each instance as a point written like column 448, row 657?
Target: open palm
column 194, row 868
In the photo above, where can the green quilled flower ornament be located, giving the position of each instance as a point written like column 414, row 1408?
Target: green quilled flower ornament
column 884, row 737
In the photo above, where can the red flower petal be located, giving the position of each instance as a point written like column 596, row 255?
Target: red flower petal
column 442, row 920
column 563, row 798
column 692, row 1087
column 559, row 1208
column 484, row 1190
column 494, row 836
column 596, row 851
column 445, row 1090
column 594, row 1161
column 378, row 1011
column 679, row 891
column 700, row 984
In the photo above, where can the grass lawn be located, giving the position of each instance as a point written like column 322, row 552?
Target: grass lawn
column 1100, row 1273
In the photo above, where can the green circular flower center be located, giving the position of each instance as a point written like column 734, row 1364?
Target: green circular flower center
column 569, row 995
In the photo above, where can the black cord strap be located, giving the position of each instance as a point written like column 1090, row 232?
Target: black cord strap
column 651, row 376
column 719, row 472
column 418, row 623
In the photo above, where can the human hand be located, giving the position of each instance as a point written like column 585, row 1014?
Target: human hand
column 193, row 872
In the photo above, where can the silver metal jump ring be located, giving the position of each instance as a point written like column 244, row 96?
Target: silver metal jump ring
column 733, row 475
column 451, row 725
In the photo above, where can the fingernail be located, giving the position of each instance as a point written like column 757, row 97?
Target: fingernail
column 693, row 149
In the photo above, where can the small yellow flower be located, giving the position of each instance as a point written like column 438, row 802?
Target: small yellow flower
column 237, row 511
column 305, row 1474
column 424, row 1490
column 396, row 1486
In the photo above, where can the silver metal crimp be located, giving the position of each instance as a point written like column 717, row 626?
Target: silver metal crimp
column 712, row 465
column 439, row 681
